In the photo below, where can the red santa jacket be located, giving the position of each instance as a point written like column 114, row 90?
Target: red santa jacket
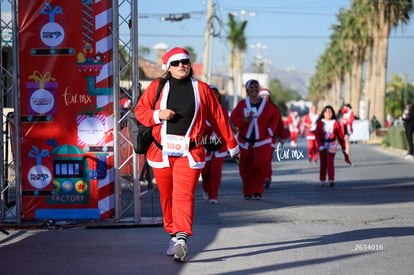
column 310, row 124
column 327, row 133
column 347, row 119
column 280, row 129
column 293, row 121
column 264, row 123
column 206, row 108
column 211, row 135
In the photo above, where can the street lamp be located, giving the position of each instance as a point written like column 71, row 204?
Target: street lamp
column 175, row 17
column 243, row 14
column 259, row 57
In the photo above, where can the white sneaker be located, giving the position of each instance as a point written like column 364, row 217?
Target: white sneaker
column 409, row 156
column 322, row 184
column 170, row 250
column 180, row 251
column 213, row 201
column 205, row 195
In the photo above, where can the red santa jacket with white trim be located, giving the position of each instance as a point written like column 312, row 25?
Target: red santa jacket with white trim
column 207, row 107
column 328, row 132
column 310, row 124
column 211, row 134
column 264, row 124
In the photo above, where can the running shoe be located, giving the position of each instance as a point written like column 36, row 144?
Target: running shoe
column 205, row 195
column 170, row 250
column 213, row 201
column 257, row 196
column 180, row 251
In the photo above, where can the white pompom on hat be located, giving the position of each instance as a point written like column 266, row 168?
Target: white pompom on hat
column 250, row 82
column 264, row 92
column 174, row 54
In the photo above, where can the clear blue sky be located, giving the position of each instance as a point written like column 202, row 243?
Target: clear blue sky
column 295, row 32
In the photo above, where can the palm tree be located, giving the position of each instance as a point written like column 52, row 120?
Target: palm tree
column 385, row 14
column 237, row 47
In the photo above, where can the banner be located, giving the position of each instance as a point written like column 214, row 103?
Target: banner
column 65, row 59
column 360, row 130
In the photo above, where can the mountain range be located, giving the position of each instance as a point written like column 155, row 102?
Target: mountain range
column 293, row 79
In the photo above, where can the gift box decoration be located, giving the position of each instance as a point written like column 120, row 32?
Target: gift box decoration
column 42, row 94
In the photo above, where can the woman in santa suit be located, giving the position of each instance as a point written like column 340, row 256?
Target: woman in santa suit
column 328, row 131
column 293, row 121
column 176, row 156
column 216, row 151
column 310, row 125
column 256, row 121
column 280, row 136
column 347, row 119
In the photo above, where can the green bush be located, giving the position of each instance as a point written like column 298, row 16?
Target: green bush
column 397, row 138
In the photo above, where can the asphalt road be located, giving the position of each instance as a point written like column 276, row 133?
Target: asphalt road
column 363, row 225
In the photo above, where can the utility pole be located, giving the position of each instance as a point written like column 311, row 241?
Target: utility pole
column 260, row 66
column 208, row 42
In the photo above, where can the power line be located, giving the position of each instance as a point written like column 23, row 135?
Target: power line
column 260, row 36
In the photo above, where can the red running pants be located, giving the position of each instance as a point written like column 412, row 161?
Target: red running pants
column 252, row 168
column 326, row 165
column 177, row 185
column 212, row 176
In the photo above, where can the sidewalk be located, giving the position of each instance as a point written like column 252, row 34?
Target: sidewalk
column 364, row 225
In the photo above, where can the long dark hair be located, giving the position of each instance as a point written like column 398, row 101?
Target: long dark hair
column 323, row 111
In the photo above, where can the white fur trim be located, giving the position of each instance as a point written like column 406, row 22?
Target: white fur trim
column 175, row 57
column 156, row 116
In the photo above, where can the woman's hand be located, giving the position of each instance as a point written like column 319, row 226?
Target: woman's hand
column 166, row 114
column 248, row 119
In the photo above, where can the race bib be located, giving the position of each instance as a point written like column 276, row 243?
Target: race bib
column 250, row 111
column 176, row 146
column 332, row 147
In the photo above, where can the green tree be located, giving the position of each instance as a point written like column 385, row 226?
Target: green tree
column 281, row 94
column 399, row 93
column 143, row 51
column 193, row 55
column 238, row 45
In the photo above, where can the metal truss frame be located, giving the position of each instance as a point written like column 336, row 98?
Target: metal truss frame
column 125, row 17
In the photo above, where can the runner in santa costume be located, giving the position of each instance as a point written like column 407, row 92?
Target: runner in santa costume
column 256, row 120
column 293, row 121
column 328, row 131
column 346, row 120
column 279, row 137
column 176, row 155
column 216, row 151
column 310, row 125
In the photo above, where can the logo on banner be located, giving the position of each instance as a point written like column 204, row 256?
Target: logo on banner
column 52, row 34
column 42, row 101
column 39, row 176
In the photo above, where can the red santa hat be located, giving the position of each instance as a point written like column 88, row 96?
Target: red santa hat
column 264, row 92
column 250, row 82
column 125, row 103
column 174, row 54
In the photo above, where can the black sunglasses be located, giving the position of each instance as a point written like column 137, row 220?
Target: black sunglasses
column 177, row 62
